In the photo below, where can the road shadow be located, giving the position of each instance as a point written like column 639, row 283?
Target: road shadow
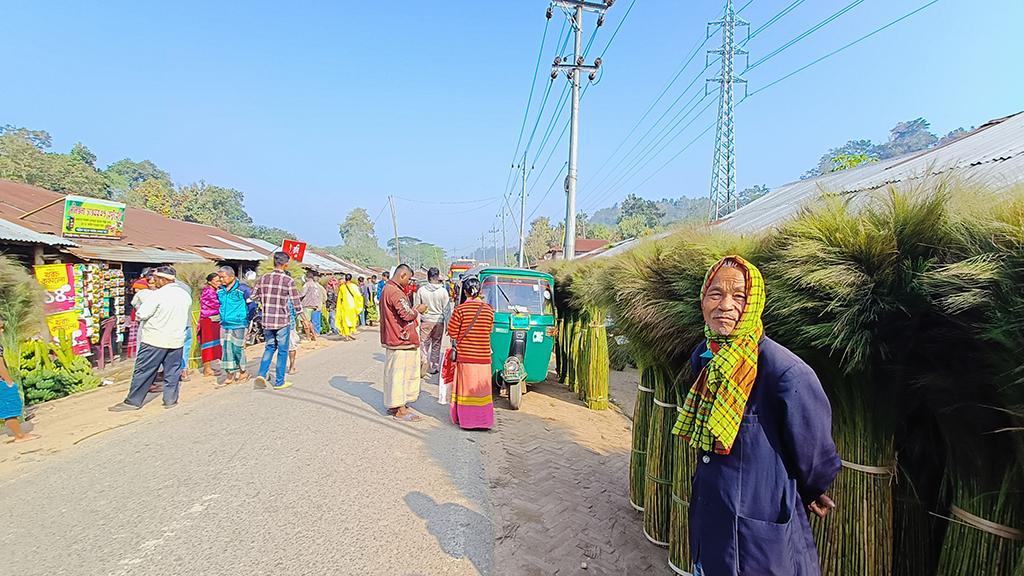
column 461, row 532
column 362, row 390
column 379, row 357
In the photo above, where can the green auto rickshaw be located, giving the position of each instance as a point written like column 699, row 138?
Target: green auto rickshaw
column 524, row 326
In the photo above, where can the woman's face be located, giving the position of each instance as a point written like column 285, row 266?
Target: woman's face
column 724, row 301
column 215, row 282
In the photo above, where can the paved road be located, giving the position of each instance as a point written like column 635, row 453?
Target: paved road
column 309, row 480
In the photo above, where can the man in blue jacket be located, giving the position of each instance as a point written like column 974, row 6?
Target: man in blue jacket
column 762, row 428
column 235, row 299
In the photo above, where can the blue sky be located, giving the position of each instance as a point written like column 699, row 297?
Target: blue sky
column 313, row 108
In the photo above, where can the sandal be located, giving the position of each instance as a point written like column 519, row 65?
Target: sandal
column 410, row 417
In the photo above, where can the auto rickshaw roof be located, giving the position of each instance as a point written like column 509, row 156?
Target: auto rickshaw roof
column 500, row 271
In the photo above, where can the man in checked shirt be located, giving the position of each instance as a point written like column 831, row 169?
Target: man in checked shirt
column 274, row 290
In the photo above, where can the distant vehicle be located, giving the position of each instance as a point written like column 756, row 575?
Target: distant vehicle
column 460, row 267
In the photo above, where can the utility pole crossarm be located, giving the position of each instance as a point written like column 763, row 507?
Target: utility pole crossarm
column 587, row 5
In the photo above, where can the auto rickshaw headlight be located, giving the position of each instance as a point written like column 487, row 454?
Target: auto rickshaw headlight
column 512, row 370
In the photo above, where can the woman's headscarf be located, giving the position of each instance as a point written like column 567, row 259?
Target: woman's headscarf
column 711, row 415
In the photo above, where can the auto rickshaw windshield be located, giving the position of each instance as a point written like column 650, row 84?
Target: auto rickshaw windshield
column 533, row 294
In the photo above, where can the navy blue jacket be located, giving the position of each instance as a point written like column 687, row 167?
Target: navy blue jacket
column 748, row 509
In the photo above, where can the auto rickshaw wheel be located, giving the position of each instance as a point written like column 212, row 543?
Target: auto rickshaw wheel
column 515, row 395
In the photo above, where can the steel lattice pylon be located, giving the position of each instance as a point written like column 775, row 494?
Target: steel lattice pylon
column 723, row 169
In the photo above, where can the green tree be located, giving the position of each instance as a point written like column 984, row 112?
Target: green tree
column 126, row 174
column 748, row 195
column 22, row 159
column 359, row 240
column 84, row 155
column 538, row 240
column 600, row 231
column 847, row 161
column 639, row 217
column 275, row 236
column 40, row 139
column 214, row 205
column 156, row 195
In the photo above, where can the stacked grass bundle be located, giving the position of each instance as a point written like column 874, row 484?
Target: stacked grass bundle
column 596, row 386
column 660, row 440
column 684, row 465
column 641, row 427
column 908, row 305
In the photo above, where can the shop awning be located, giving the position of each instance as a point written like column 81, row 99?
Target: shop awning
column 12, row 232
column 141, row 254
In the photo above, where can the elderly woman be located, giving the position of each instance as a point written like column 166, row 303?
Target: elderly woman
column 762, row 426
column 470, row 330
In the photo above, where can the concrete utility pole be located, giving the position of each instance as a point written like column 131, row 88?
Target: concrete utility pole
column 723, row 169
column 494, row 231
column 394, row 224
column 522, row 215
column 573, row 72
column 504, row 240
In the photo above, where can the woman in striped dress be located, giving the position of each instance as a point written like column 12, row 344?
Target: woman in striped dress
column 470, row 330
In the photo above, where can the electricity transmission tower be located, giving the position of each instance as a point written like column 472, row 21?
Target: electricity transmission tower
column 573, row 71
column 723, row 169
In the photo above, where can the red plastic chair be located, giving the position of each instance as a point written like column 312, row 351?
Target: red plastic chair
column 106, row 341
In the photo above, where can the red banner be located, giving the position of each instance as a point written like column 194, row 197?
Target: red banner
column 295, row 249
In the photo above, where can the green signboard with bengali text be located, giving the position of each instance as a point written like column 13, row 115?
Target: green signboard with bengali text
column 92, row 218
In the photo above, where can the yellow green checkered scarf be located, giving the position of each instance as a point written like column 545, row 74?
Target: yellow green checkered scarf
column 711, row 415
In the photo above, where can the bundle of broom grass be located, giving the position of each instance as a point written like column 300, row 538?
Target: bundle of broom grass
column 641, row 428
column 658, row 470
column 684, row 466
column 595, row 389
column 908, row 306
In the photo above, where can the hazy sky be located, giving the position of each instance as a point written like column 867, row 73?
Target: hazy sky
column 313, row 108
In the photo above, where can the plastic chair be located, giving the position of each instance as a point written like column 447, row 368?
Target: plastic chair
column 106, row 341
column 131, row 346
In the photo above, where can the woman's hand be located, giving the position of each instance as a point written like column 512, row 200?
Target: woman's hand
column 822, row 506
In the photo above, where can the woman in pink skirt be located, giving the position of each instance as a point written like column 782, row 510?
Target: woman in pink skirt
column 470, row 330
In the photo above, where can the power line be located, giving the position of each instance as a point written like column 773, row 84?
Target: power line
column 793, row 73
column 489, row 200
column 840, row 49
column 548, row 191
column 805, row 34
column 686, row 63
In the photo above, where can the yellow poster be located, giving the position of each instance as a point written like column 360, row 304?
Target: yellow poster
column 68, row 323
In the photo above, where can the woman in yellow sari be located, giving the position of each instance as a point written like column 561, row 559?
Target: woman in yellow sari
column 350, row 304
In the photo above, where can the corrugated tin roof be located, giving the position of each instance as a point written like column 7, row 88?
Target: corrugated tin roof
column 261, row 244
column 12, row 232
column 143, row 228
column 141, row 254
column 992, row 155
column 229, row 254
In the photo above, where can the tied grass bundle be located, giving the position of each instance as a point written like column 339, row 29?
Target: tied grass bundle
column 658, row 485
column 985, row 546
column 596, row 387
column 857, row 537
column 642, row 411
column 560, row 349
column 684, row 466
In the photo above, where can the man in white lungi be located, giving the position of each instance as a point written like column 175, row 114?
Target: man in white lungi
column 400, row 337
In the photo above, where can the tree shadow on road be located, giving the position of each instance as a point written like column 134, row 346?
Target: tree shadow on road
column 461, row 532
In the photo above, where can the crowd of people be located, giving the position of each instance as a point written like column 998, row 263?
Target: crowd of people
column 413, row 321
